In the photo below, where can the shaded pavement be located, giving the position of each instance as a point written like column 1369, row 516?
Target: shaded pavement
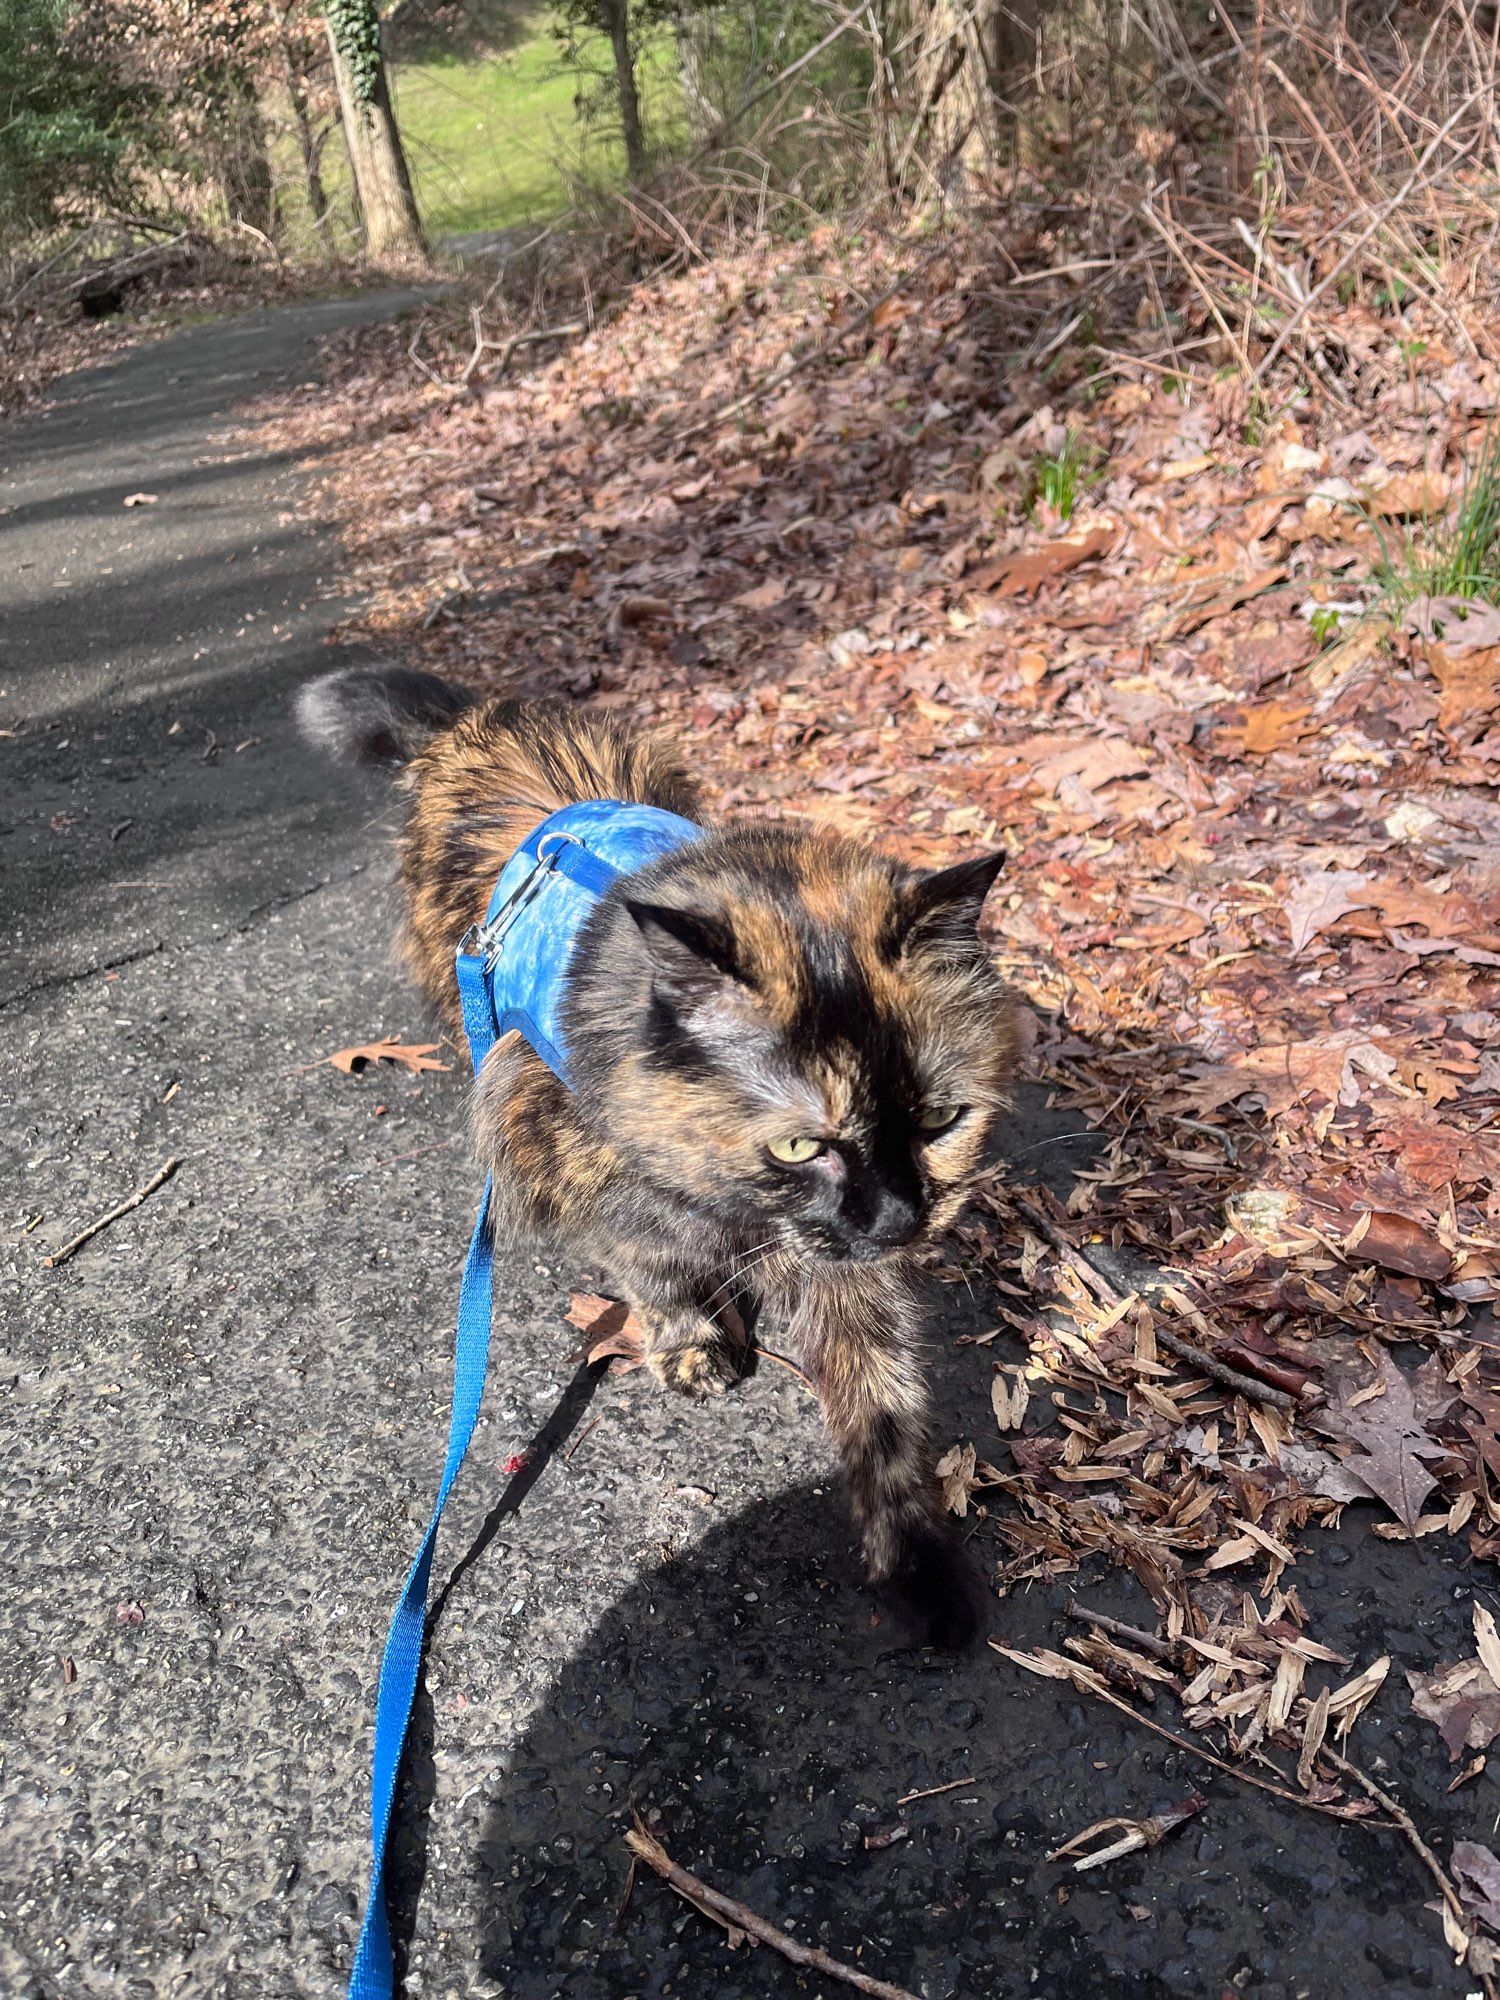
column 222, row 1422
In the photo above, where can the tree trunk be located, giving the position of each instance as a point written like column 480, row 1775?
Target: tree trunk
column 691, row 29
column 248, row 191
column 309, row 144
column 387, row 208
column 617, row 14
column 969, row 65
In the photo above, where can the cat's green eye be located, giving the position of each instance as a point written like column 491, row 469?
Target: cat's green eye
column 794, row 1152
column 938, row 1117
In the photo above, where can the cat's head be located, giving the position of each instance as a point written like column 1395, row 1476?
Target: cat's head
column 792, row 1032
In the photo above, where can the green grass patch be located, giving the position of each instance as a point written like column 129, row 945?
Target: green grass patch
column 502, row 140
column 1059, row 481
column 1451, row 557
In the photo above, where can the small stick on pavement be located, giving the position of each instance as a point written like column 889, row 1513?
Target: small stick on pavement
column 934, row 1791
column 725, row 1910
column 1134, row 1834
column 1115, row 1628
column 121, row 1208
column 1404, row 1821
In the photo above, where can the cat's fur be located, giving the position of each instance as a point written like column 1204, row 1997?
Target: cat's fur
column 763, row 982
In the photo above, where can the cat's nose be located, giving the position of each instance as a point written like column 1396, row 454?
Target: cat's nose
column 896, row 1220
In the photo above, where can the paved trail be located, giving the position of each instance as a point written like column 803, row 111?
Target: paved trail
column 221, row 1423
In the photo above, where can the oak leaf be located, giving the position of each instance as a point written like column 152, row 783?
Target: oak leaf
column 414, row 1056
column 1462, row 1699
column 1276, row 725
column 1392, row 1435
column 1028, row 569
column 1320, row 898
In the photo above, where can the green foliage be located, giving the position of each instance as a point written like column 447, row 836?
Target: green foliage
column 66, row 124
column 1457, row 557
column 355, row 27
column 501, row 141
column 1325, row 625
column 1058, row 482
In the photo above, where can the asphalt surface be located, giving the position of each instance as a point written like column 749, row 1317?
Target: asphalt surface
column 221, row 1425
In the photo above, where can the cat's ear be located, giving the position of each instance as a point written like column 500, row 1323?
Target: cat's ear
column 691, row 954
column 944, row 907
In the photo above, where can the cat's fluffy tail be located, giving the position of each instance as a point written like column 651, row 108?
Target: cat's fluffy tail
column 377, row 715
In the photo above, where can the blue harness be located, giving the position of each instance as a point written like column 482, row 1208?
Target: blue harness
column 512, row 971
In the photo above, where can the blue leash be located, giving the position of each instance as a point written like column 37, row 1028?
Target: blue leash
column 583, row 848
column 373, row 1975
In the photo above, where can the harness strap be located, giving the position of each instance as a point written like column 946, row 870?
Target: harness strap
column 373, row 1977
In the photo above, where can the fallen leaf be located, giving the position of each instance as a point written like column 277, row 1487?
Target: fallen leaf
column 1468, row 685
column 1398, row 1243
column 1487, row 1641
column 1319, row 900
column 615, row 1334
column 1459, row 624
column 414, row 1056
column 1406, row 493
column 955, row 1471
column 764, row 597
column 140, row 500
column 1029, row 569
column 1476, row 1871
column 1275, row 725
column 1392, row 1436
column 1463, row 1701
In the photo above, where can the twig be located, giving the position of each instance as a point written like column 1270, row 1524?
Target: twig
column 1134, row 1834
column 1221, row 1372
column 162, row 1175
column 506, row 348
column 1386, row 209
column 1104, row 1290
column 934, row 1791
column 1147, row 1642
column 1088, row 1686
column 1403, row 1819
column 724, row 1909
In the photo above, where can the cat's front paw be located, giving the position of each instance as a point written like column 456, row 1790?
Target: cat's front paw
column 935, row 1596
column 699, row 1373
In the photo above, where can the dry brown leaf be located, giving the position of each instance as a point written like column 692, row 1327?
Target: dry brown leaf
column 414, row 1056
column 1407, row 493
column 615, row 1334
column 1462, row 1699
column 1459, row 624
column 1275, row 725
column 1028, row 569
column 1319, row 899
column 764, row 597
column 1468, row 685
column 1392, row 1435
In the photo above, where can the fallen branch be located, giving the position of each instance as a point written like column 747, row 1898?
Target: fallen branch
column 163, row 1175
column 725, row 1910
column 1105, row 1291
column 1403, row 1819
column 506, row 348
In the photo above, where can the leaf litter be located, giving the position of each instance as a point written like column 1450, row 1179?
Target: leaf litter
column 1252, row 892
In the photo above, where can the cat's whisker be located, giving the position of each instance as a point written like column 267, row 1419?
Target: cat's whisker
column 750, row 1260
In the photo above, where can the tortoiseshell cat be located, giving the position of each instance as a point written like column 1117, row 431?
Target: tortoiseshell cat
column 788, row 1054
